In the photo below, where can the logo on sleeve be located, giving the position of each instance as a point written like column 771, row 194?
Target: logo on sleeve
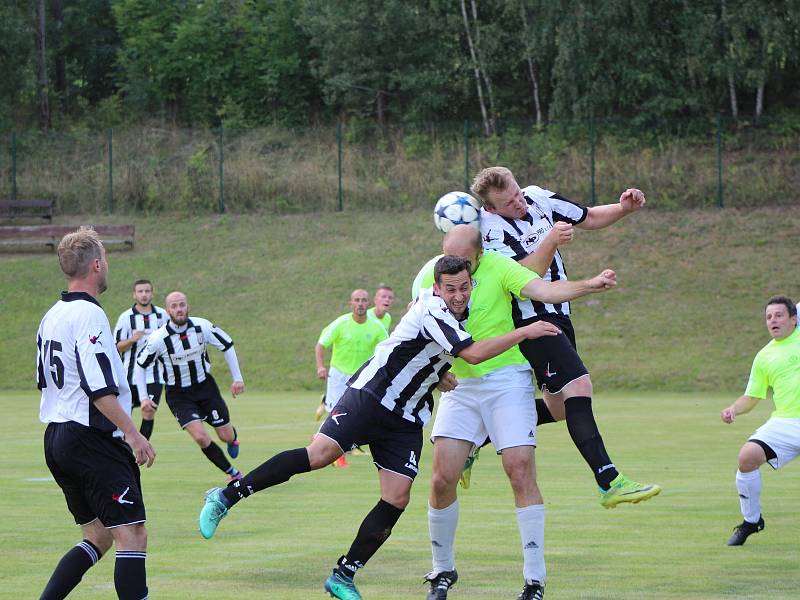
column 336, row 415
column 94, row 339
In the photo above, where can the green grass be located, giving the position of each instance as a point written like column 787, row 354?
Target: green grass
column 283, row 542
column 687, row 313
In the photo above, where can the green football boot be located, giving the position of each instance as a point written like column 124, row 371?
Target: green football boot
column 626, row 490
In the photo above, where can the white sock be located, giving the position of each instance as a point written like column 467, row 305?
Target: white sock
column 442, row 525
column 749, row 487
column 530, row 520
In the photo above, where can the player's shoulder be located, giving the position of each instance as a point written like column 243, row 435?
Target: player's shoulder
column 201, row 322
column 125, row 314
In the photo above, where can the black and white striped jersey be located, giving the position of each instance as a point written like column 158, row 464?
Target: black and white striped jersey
column 183, row 351
column 517, row 238
column 133, row 320
column 77, row 363
column 405, row 367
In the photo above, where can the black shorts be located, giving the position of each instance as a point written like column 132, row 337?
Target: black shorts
column 554, row 359
column 201, row 402
column 153, row 389
column 97, row 473
column 358, row 419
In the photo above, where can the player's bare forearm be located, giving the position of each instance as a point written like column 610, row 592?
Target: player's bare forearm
column 604, row 215
column 553, row 292
column 491, row 347
column 742, row 406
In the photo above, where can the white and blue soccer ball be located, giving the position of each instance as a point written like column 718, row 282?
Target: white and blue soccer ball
column 456, row 208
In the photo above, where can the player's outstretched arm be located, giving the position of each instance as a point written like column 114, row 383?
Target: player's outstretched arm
column 540, row 261
column 142, row 449
column 553, row 292
column 491, row 347
column 743, row 405
column 237, row 387
column 604, row 215
column 319, row 356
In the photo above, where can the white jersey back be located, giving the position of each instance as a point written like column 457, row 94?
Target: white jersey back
column 77, row 362
column 517, row 238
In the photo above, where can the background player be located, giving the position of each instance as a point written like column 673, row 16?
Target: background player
column 383, row 300
column 528, row 225
column 181, row 347
column 351, row 339
column 86, row 404
column 776, row 442
column 386, row 405
column 138, row 321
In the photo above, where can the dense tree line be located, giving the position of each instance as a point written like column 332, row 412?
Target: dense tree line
column 254, row 62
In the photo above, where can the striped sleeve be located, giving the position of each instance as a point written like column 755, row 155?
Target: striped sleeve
column 217, row 337
column 122, row 328
column 439, row 325
column 152, row 348
column 93, row 343
column 564, row 209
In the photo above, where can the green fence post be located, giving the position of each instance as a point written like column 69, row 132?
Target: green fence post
column 593, row 141
column 719, row 160
column 13, row 165
column 339, row 164
column 110, row 171
column 466, row 155
column 221, row 143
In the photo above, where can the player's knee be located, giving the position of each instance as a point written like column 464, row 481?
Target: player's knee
column 131, row 537
column 399, row 499
column 101, row 538
column 443, row 483
column 203, row 439
column 751, row 457
column 148, row 414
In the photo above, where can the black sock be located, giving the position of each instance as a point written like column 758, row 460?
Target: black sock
column 70, row 569
column 277, row 469
column 130, row 575
column 375, row 529
column 146, row 428
column 215, row 455
column 543, row 414
column 584, row 433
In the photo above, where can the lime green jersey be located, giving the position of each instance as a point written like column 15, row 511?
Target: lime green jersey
column 386, row 319
column 777, row 366
column 353, row 343
column 495, row 280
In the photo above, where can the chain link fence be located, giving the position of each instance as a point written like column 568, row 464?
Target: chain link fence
column 352, row 166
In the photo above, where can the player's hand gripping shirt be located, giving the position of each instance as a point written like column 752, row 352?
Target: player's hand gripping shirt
column 183, row 351
column 496, row 280
column 405, row 368
column 517, row 238
column 129, row 322
column 77, row 363
column 353, row 343
column 777, row 366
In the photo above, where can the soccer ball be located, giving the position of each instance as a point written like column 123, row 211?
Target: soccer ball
column 456, row 208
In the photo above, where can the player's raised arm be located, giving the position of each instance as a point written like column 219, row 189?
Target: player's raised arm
column 602, row 216
column 553, row 292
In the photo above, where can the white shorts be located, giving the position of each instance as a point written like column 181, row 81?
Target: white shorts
column 783, row 436
column 337, row 382
column 499, row 405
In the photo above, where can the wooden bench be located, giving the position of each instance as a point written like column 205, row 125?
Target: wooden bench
column 15, row 210
column 23, row 237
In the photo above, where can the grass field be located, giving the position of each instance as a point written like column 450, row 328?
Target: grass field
column 282, row 543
